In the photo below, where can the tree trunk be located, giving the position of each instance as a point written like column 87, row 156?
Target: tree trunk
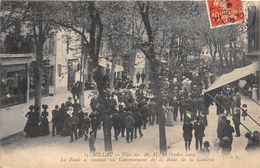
column 147, row 71
column 113, row 46
column 235, row 58
column 155, row 67
column 38, row 75
column 112, row 71
column 102, row 101
column 95, row 37
column 107, row 133
column 230, row 55
column 132, row 65
column 159, row 98
column 221, row 58
column 84, row 69
column 214, row 63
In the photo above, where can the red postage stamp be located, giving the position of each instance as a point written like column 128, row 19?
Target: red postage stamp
column 225, row 12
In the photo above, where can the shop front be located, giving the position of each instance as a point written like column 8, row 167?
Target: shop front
column 14, row 79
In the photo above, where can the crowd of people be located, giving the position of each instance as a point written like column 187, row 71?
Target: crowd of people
column 228, row 102
column 131, row 109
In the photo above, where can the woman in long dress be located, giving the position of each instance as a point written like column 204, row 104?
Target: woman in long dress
column 44, row 127
column 28, row 125
column 169, row 115
column 34, row 129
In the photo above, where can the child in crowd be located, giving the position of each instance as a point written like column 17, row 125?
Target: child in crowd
column 244, row 113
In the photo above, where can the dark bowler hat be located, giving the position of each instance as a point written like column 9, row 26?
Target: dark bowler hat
column 44, row 106
column 36, row 107
column 206, row 144
column 31, row 107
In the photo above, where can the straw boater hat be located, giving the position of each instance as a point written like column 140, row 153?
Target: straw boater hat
column 70, row 111
column 244, row 106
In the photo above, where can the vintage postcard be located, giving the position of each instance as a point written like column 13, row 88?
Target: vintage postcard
column 149, row 84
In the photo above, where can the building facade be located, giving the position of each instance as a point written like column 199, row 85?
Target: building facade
column 17, row 63
column 253, row 39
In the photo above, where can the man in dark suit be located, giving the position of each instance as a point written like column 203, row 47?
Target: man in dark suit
column 116, row 123
column 194, row 105
column 130, row 124
column 55, row 118
column 199, row 129
column 153, row 111
column 76, row 106
column 236, row 121
column 94, row 116
column 138, row 122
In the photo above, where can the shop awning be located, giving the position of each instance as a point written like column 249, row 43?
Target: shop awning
column 107, row 64
column 233, row 76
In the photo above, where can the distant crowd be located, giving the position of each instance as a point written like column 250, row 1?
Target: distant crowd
column 131, row 109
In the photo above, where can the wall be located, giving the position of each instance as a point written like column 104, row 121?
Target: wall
column 62, row 57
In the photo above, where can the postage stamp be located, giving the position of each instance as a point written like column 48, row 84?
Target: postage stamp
column 225, row 12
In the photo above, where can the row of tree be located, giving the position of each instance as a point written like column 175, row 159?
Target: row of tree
column 158, row 29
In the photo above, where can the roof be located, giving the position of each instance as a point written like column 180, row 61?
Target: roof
column 233, row 76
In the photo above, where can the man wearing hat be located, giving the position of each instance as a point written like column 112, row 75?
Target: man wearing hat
column 183, row 107
column 76, row 106
column 80, row 116
column 152, row 110
column 55, row 117
column 130, row 124
column 86, row 125
column 187, row 132
column 73, row 123
column 199, row 128
column 116, row 123
column 95, row 120
column 236, row 121
column 69, row 102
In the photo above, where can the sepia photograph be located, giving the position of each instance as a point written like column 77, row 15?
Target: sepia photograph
column 132, row 84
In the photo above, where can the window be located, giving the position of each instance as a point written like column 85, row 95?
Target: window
column 51, row 44
column 68, row 45
column 59, row 70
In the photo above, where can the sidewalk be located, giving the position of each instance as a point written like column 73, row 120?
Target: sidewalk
column 13, row 120
column 239, row 143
